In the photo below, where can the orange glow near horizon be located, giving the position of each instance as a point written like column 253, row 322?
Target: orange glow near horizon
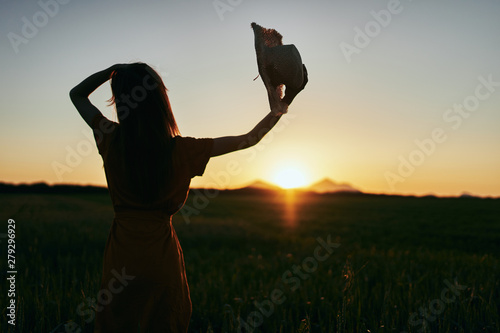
column 365, row 119
column 289, row 178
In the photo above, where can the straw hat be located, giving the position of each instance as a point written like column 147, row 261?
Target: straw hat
column 278, row 65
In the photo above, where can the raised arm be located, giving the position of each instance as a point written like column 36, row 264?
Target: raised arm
column 80, row 94
column 228, row 144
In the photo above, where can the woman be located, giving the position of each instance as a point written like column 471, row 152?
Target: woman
column 148, row 169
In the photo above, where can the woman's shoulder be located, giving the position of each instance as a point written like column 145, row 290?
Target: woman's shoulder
column 195, row 152
column 193, row 146
column 189, row 140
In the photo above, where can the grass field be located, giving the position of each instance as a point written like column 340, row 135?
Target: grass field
column 401, row 264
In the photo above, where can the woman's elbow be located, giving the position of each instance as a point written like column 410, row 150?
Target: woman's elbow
column 73, row 94
column 76, row 95
column 248, row 140
column 243, row 142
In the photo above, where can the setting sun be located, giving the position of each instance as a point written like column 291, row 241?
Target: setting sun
column 290, row 178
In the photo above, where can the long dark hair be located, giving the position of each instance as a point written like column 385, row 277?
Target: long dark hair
column 146, row 128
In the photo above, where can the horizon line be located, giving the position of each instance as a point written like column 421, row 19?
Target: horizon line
column 272, row 187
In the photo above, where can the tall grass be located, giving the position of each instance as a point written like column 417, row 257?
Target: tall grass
column 396, row 256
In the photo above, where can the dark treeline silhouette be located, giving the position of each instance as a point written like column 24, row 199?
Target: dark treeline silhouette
column 42, row 187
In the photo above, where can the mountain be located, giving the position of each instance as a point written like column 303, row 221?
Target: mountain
column 262, row 185
column 467, row 195
column 328, row 186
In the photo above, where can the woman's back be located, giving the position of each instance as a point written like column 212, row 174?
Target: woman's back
column 189, row 157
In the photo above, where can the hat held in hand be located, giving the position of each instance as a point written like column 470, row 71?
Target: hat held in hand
column 278, row 65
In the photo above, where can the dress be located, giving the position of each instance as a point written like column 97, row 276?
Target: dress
column 144, row 279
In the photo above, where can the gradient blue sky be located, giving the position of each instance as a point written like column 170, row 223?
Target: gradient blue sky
column 353, row 122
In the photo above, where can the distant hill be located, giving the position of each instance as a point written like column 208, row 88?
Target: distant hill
column 467, row 195
column 327, row 185
column 262, row 185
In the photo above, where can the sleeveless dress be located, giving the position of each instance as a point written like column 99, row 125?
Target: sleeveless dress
column 144, row 286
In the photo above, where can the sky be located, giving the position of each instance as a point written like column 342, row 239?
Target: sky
column 403, row 96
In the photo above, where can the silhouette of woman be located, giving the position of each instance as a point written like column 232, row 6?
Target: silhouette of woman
column 148, row 168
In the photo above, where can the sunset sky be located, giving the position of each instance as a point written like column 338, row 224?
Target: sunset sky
column 403, row 97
